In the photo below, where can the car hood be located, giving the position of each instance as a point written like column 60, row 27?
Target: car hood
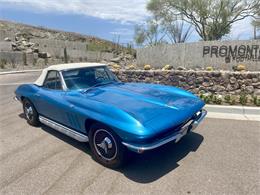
column 154, row 106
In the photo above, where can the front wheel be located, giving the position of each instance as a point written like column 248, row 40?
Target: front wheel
column 30, row 113
column 106, row 146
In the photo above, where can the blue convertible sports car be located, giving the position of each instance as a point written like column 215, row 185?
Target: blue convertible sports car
column 86, row 102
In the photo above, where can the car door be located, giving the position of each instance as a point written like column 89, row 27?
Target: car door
column 50, row 98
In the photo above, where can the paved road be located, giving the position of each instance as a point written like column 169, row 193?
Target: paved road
column 221, row 157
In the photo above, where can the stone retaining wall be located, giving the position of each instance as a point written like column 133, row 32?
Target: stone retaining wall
column 219, row 82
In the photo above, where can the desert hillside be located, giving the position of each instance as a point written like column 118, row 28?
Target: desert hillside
column 26, row 45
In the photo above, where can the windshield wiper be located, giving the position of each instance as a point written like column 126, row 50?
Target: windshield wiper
column 97, row 85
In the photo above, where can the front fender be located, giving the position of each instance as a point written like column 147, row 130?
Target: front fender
column 125, row 125
column 26, row 90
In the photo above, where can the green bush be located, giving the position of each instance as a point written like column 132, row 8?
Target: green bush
column 227, row 98
column 205, row 97
column 243, row 99
column 3, row 63
column 217, row 99
column 232, row 100
column 256, row 100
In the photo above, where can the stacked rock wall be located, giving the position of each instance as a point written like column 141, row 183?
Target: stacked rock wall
column 219, row 82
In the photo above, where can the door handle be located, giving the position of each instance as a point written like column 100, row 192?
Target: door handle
column 72, row 106
column 37, row 95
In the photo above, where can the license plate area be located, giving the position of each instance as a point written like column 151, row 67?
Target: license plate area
column 184, row 130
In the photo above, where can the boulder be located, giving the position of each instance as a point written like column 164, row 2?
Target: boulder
column 206, row 84
column 44, row 55
column 116, row 60
column 35, row 50
column 7, row 39
column 181, row 68
column 249, row 89
column 232, row 80
column 257, row 92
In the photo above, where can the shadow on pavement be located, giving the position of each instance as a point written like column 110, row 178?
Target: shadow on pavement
column 149, row 166
column 79, row 145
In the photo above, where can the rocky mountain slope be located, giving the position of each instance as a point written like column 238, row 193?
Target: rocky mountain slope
column 12, row 29
column 26, row 44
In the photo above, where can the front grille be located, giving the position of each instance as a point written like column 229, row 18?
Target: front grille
column 174, row 129
column 167, row 132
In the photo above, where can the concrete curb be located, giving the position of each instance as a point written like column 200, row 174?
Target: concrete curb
column 233, row 109
column 19, row 71
column 233, row 112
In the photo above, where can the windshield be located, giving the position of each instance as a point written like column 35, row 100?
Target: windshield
column 84, row 78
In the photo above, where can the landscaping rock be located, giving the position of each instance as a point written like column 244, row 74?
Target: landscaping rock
column 181, row 68
column 249, row 89
column 198, row 81
column 232, row 80
column 257, row 92
column 7, row 39
column 44, row 55
column 116, row 60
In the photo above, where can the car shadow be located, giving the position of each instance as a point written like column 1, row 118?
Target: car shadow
column 84, row 147
column 149, row 166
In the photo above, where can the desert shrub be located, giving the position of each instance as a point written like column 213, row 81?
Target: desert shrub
column 256, row 100
column 24, row 59
column 217, row 99
column 66, row 58
column 3, row 63
column 147, row 67
column 34, row 61
column 227, row 98
column 233, row 100
column 241, row 67
column 97, row 46
column 116, row 67
column 131, row 67
column 167, row 67
column 209, row 68
column 45, row 61
column 206, row 97
column 243, row 99
column 57, row 56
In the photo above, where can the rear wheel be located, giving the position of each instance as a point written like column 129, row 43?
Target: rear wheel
column 30, row 113
column 106, row 146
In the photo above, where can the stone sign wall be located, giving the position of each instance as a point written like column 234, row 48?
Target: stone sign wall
column 218, row 54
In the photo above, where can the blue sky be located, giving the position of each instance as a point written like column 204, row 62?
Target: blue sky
column 102, row 18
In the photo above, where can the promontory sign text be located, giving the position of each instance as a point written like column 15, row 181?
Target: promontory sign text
column 239, row 53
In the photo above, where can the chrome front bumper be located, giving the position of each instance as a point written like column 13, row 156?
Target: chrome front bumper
column 176, row 136
column 15, row 98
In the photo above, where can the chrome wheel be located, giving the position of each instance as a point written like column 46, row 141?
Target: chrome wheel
column 105, row 144
column 28, row 112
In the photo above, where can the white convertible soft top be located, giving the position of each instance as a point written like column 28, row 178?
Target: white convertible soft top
column 60, row 67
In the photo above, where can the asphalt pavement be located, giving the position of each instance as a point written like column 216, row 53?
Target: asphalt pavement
column 221, row 157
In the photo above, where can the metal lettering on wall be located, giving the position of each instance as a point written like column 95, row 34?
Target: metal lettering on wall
column 239, row 53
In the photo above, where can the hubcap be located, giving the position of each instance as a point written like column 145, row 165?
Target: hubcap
column 105, row 144
column 28, row 112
